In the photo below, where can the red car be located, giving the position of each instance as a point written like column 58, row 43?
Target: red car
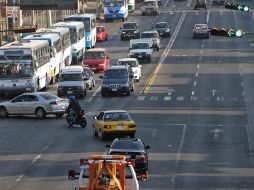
column 97, row 59
column 101, row 33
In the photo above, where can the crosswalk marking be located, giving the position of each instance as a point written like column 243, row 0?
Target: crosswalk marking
column 154, row 98
column 167, row 98
column 220, row 99
column 193, row 98
column 180, row 98
column 140, row 97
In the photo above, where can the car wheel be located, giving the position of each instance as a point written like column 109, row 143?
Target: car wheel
column 83, row 123
column 168, row 35
column 128, row 93
column 106, row 38
column 101, row 135
column 157, row 48
column 59, row 115
column 3, row 112
column 103, row 94
column 122, row 38
column 40, row 113
column 149, row 60
column 95, row 133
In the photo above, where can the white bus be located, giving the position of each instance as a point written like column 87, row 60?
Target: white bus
column 77, row 38
column 66, row 41
column 24, row 66
column 56, row 51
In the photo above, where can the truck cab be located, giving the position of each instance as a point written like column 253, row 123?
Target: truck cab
column 141, row 49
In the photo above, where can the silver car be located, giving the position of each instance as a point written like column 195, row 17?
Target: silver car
column 201, row 31
column 36, row 103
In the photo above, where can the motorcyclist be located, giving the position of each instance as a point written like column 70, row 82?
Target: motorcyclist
column 74, row 105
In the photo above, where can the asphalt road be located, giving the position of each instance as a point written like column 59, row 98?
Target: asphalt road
column 196, row 112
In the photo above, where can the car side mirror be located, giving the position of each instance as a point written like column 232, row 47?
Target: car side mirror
column 101, row 77
column 107, row 146
column 147, row 147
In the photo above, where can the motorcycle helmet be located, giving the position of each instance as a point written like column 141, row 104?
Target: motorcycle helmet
column 72, row 98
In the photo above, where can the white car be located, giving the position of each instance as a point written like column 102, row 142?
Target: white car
column 141, row 49
column 135, row 66
column 35, row 103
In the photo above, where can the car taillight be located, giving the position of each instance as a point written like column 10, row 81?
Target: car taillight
column 53, row 103
column 107, row 126
column 131, row 125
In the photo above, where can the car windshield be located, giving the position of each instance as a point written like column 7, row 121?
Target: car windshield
column 129, row 26
column 48, row 96
column 161, row 25
column 116, row 74
column 149, row 3
column 117, row 116
column 148, row 35
column 70, row 77
column 95, row 55
column 127, row 145
column 112, row 3
column 130, row 63
column 140, row 46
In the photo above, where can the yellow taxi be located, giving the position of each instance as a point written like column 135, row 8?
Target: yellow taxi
column 113, row 123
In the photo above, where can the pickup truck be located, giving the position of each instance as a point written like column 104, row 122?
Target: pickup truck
column 141, row 49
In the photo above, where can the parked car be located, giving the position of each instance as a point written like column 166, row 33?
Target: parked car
column 134, row 64
column 89, row 78
column 135, row 151
column 162, row 28
column 72, row 81
column 111, row 123
column 117, row 80
column 201, row 31
column 39, row 104
column 97, row 59
column 101, row 33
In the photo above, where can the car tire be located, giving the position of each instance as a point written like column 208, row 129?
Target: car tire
column 3, row 112
column 103, row 94
column 106, row 38
column 149, row 60
column 122, row 38
column 128, row 93
column 95, row 133
column 40, row 113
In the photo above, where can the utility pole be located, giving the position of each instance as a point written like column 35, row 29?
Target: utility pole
column 6, row 21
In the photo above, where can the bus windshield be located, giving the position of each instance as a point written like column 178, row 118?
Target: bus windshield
column 73, row 34
column 86, row 21
column 113, row 3
column 14, row 66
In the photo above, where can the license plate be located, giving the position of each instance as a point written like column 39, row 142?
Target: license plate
column 119, row 127
column 28, row 89
column 69, row 92
column 114, row 89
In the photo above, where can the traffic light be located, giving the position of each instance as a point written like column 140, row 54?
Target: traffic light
column 238, row 7
column 235, row 33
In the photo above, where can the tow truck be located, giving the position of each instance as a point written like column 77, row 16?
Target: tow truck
column 105, row 172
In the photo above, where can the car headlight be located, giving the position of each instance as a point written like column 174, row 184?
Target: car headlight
column 123, row 32
column 125, row 85
column 167, row 30
column 135, row 32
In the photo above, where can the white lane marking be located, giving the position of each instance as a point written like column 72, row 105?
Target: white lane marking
column 201, row 51
column 94, row 94
column 192, row 93
column 220, row 99
column 140, row 98
column 207, row 17
column 20, row 177
column 196, row 74
column 154, row 98
column 198, row 66
column 195, row 83
column 167, row 98
column 179, row 152
column 193, row 98
column 203, row 46
column 36, row 158
column 166, row 4
column 221, row 12
column 199, row 58
column 180, row 98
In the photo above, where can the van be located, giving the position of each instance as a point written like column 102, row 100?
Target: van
column 72, row 81
column 131, row 5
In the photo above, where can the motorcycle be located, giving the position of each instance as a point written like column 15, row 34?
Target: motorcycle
column 76, row 119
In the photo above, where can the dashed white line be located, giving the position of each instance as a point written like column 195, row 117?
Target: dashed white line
column 193, row 93
column 141, row 98
column 203, row 46
column 195, row 83
column 199, row 58
column 166, row 4
column 20, row 177
column 207, row 17
column 198, row 66
column 36, row 158
column 196, row 74
column 167, row 98
column 201, row 51
column 94, row 94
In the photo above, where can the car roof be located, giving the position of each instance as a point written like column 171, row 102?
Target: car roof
column 35, row 93
column 114, row 111
column 161, row 23
column 150, row 31
column 75, row 68
column 128, row 59
column 117, row 67
column 96, row 49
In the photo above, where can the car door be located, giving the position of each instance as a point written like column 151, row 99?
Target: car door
column 15, row 106
column 98, row 121
column 30, row 103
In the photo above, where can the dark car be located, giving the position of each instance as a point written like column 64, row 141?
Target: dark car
column 118, row 80
column 89, row 78
column 162, row 28
column 130, row 30
column 200, row 4
column 134, row 150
